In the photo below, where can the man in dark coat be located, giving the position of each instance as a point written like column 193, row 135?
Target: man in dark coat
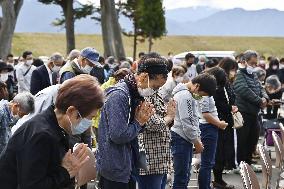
column 46, row 75
column 250, row 98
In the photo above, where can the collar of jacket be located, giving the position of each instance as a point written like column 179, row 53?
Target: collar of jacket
column 244, row 70
column 52, row 120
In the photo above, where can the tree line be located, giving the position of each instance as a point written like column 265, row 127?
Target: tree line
column 147, row 17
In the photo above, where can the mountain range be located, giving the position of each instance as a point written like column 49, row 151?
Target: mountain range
column 37, row 17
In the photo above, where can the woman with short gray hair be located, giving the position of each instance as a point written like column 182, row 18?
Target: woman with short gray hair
column 10, row 112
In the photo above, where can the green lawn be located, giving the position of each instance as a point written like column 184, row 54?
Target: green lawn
column 46, row 44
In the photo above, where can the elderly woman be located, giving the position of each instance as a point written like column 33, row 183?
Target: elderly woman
column 274, row 91
column 38, row 154
column 21, row 105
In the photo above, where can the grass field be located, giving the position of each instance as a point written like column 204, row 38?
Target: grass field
column 45, row 44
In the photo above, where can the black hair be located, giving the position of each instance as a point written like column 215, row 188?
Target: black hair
column 273, row 62
column 152, row 58
column 211, row 64
column 262, row 57
column 170, row 65
column 26, row 53
column 141, row 54
column 270, row 58
column 228, row 64
column 219, row 74
column 188, row 56
column 207, row 83
column 281, row 60
column 101, row 59
column 38, row 62
column 10, row 56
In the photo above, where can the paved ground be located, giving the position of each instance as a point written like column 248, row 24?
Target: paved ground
column 233, row 178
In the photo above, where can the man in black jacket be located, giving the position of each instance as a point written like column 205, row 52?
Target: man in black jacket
column 250, row 98
column 46, row 75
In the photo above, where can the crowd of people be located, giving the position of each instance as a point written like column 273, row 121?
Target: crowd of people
column 146, row 119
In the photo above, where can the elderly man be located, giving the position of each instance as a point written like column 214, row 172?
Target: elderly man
column 46, row 75
column 21, row 105
column 81, row 65
column 250, row 98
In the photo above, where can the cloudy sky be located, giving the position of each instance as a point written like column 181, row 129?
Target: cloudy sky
column 223, row 4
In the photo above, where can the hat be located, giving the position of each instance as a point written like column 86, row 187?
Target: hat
column 91, row 54
column 4, row 66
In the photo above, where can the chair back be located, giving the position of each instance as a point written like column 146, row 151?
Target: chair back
column 266, row 164
column 281, row 126
column 278, row 149
column 248, row 176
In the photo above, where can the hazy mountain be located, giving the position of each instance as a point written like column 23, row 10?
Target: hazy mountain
column 37, row 17
column 190, row 13
column 238, row 22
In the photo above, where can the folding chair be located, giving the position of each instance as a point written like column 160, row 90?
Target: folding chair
column 248, row 177
column 266, row 164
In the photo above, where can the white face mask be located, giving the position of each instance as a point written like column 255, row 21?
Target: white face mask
column 87, row 69
column 179, row 79
column 55, row 68
column 29, row 62
column 240, row 65
column 80, row 127
column 274, row 67
column 4, row 77
column 281, row 66
column 250, row 69
column 146, row 92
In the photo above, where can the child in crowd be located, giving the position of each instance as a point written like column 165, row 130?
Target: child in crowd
column 185, row 132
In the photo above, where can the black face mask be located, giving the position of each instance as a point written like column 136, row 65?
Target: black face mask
column 189, row 64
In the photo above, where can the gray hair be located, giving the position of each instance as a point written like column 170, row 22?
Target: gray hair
column 260, row 73
column 273, row 81
column 26, row 102
column 249, row 54
column 125, row 64
column 73, row 54
column 56, row 57
column 202, row 57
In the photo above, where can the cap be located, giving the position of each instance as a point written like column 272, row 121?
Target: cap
column 91, row 54
column 4, row 66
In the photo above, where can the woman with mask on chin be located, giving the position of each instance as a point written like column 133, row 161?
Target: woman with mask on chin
column 123, row 117
column 178, row 76
column 38, row 153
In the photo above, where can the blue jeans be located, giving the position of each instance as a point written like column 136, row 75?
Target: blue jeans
column 182, row 157
column 150, row 181
column 164, row 182
column 209, row 137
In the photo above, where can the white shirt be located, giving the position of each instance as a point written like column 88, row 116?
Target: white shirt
column 24, row 82
column 49, row 73
column 191, row 72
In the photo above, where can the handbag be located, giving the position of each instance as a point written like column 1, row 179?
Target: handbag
column 237, row 117
column 142, row 160
column 238, row 120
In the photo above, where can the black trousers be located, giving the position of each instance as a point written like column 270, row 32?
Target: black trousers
column 108, row 184
column 247, row 137
column 225, row 153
